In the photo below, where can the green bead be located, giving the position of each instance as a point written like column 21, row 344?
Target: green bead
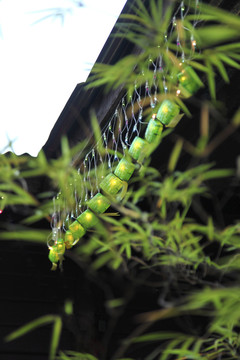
column 137, row 148
column 111, row 184
column 124, row 170
column 77, row 230
column 99, row 203
column 167, row 111
column 69, row 239
column 153, row 131
column 189, row 81
column 60, row 246
column 87, row 219
column 53, row 254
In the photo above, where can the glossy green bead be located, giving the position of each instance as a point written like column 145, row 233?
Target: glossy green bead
column 124, row 169
column 153, row 131
column 189, row 81
column 53, row 254
column 111, row 184
column 69, row 239
column 77, row 230
column 99, row 203
column 87, row 219
column 137, row 148
column 167, row 111
column 60, row 246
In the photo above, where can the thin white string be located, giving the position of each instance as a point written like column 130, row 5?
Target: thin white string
column 123, row 126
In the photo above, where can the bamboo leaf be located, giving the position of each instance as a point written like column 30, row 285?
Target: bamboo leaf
column 133, row 17
column 39, row 236
column 221, row 15
column 228, row 47
column 156, row 336
column 198, row 66
column 39, row 215
column 229, row 61
column 172, row 344
column 183, row 106
column 41, row 158
column 102, row 260
column 175, row 155
column 156, row 12
column 56, row 334
column 217, row 62
column 215, row 34
column 141, row 10
column 42, row 321
column 97, row 133
column 157, row 315
column 234, row 55
column 211, row 80
column 217, row 173
column 74, row 355
column 114, row 303
column 236, row 118
column 45, row 320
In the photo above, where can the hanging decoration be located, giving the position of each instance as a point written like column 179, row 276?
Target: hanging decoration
column 125, row 146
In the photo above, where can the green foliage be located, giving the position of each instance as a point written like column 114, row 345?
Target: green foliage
column 73, row 355
column 223, row 305
column 161, row 236
column 155, row 229
column 147, row 28
column 42, row 321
